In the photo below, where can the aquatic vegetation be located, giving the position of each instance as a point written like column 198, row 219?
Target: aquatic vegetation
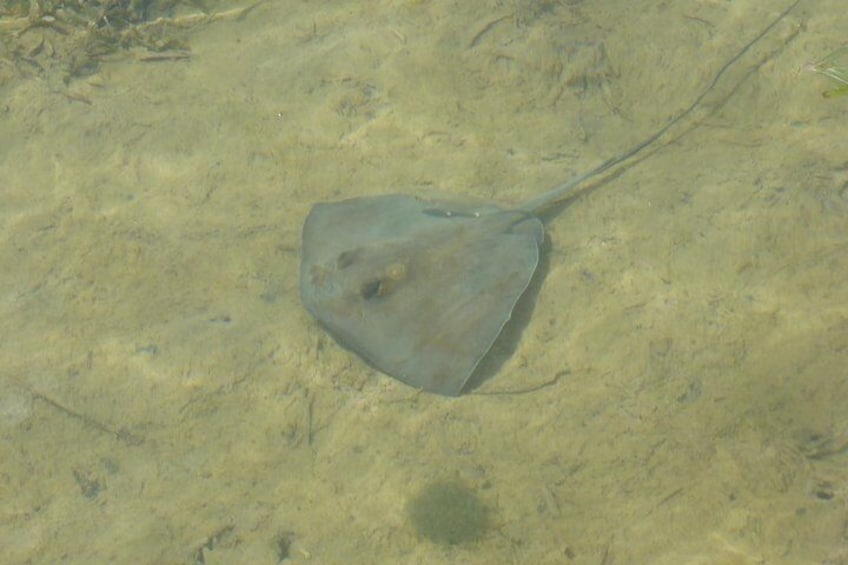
column 69, row 40
column 835, row 67
column 449, row 513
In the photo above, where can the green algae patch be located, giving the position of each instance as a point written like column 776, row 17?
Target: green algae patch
column 449, row 513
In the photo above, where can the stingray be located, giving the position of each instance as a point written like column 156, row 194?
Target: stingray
column 421, row 288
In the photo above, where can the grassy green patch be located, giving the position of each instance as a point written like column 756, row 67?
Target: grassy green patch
column 449, row 513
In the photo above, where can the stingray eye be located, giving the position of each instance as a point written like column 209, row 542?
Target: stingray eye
column 345, row 259
column 372, row 289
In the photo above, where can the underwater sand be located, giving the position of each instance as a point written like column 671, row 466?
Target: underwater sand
column 164, row 397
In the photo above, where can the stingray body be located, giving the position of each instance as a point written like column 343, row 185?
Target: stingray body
column 420, row 289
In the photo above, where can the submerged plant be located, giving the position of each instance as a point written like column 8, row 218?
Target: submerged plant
column 69, row 40
column 449, row 513
column 835, row 67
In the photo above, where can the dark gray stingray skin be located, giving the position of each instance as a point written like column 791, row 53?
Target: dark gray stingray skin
column 418, row 289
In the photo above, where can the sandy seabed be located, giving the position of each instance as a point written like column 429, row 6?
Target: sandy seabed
column 164, row 398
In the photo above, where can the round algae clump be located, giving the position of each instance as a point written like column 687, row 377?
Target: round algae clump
column 448, row 513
